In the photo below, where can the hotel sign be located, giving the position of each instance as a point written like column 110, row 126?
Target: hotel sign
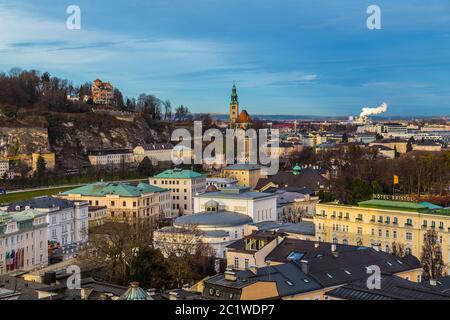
column 394, row 197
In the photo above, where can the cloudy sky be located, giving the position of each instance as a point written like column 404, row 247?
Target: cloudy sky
column 286, row 56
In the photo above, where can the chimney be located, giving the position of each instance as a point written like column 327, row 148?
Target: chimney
column 316, row 245
column 333, row 247
column 433, row 282
column 230, row 275
column 151, row 292
column 173, row 295
column 304, row 266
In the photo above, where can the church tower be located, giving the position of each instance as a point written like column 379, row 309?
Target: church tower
column 234, row 107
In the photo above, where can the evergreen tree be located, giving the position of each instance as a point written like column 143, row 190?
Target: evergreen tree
column 145, row 168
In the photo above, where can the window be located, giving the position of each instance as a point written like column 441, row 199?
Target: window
column 246, row 264
column 409, row 236
column 394, row 234
column 359, row 230
column 236, row 262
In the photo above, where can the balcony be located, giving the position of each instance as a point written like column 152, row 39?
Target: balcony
column 409, row 225
column 359, row 219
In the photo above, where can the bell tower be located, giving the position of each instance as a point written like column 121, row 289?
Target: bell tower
column 234, row 107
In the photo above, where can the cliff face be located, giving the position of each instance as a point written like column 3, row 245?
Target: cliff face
column 70, row 136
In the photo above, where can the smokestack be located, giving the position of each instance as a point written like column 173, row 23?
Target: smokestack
column 373, row 111
column 305, row 266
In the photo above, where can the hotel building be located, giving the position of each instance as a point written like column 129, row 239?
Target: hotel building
column 382, row 223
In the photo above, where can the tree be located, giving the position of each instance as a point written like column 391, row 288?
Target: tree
column 150, row 106
column 167, row 110
column 345, row 137
column 41, row 167
column 182, row 113
column 431, row 257
column 398, row 249
column 118, row 99
column 145, row 168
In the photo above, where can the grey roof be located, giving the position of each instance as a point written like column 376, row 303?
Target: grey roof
column 208, row 233
column 243, row 166
column 308, row 178
column 236, row 192
column 270, row 225
column 392, row 288
column 304, row 227
column 45, row 202
column 288, row 277
column 218, row 219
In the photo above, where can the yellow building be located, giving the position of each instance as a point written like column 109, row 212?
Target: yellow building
column 247, row 175
column 122, row 200
column 383, row 224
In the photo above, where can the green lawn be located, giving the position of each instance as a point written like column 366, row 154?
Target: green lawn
column 13, row 197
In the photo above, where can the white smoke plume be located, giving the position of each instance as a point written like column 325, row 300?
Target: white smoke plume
column 372, row 111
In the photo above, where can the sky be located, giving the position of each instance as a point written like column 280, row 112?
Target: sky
column 286, row 57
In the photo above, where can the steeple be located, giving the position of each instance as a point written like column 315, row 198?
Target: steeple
column 234, row 106
column 234, row 96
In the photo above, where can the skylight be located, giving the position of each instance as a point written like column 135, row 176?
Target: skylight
column 329, row 275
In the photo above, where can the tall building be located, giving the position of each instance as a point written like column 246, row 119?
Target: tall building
column 184, row 184
column 234, row 107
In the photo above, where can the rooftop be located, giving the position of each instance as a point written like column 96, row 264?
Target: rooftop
column 236, row 192
column 178, row 174
column 393, row 205
column 392, row 288
column 243, row 166
column 102, row 189
column 218, row 219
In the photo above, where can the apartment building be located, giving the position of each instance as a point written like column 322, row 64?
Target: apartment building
column 123, row 201
column 383, row 224
column 67, row 220
column 23, row 241
column 183, row 184
column 110, row 157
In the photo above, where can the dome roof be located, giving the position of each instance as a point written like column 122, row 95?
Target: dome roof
column 211, row 188
column 212, row 205
column 243, row 117
column 135, row 292
column 213, row 219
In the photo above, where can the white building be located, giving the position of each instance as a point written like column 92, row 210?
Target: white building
column 259, row 206
column 68, row 221
column 5, row 172
column 156, row 152
column 214, row 227
column 110, row 157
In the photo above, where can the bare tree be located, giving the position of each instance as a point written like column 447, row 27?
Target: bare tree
column 431, row 258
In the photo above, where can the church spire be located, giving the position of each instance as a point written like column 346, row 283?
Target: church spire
column 234, row 96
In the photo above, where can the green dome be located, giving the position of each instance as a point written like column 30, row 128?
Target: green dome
column 135, row 292
column 297, row 169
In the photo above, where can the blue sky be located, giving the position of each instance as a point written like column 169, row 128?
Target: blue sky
column 286, row 56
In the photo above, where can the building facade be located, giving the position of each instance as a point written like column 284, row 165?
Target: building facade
column 156, row 152
column 247, row 175
column 383, row 224
column 102, row 92
column 122, row 200
column 23, row 241
column 259, row 206
column 67, row 220
column 183, row 184
column 110, row 157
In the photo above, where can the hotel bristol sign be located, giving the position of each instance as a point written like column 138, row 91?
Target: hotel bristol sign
column 394, row 197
